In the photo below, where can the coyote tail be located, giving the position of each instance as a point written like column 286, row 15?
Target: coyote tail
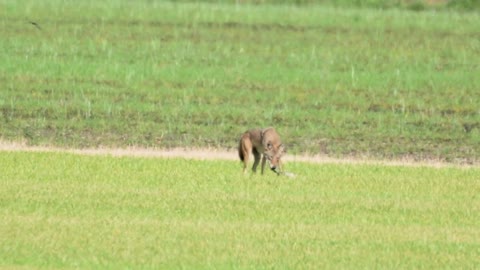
column 243, row 146
column 240, row 151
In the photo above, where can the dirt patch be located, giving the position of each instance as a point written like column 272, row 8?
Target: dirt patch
column 218, row 154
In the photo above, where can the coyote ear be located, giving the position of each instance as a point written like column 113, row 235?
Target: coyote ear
column 282, row 148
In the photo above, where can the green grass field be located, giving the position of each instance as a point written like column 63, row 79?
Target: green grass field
column 62, row 210
column 369, row 79
column 337, row 81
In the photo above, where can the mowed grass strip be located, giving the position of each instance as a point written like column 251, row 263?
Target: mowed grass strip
column 62, row 210
column 382, row 83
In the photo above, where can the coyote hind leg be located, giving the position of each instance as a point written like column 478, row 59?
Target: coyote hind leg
column 256, row 155
column 245, row 162
column 244, row 149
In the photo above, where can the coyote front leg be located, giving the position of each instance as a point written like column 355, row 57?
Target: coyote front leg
column 264, row 159
column 256, row 160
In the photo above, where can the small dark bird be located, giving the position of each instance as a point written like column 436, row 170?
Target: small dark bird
column 36, row 25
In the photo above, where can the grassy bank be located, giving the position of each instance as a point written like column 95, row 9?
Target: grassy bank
column 337, row 81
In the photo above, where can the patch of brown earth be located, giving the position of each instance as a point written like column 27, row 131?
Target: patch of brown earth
column 217, row 154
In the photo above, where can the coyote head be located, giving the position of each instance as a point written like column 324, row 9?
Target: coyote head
column 273, row 154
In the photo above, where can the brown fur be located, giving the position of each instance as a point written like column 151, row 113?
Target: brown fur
column 260, row 142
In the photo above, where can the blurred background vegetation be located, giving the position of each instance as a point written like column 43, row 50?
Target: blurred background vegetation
column 382, row 79
column 465, row 5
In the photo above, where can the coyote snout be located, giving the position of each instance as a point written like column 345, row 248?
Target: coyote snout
column 259, row 142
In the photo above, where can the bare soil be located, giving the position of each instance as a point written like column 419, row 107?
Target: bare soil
column 220, row 154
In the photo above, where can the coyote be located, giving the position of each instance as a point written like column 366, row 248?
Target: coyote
column 261, row 141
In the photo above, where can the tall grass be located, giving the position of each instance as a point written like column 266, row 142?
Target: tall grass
column 384, row 83
column 70, row 211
